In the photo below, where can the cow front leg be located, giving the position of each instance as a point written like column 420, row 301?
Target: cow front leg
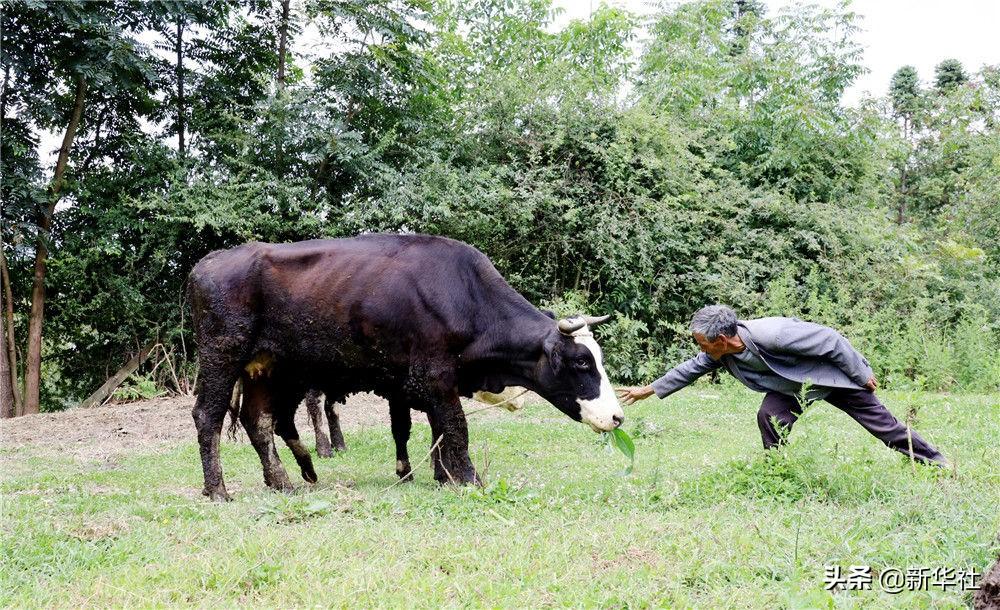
column 323, row 448
column 209, row 414
column 399, row 414
column 451, row 457
column 336, row 436
column 257, row 418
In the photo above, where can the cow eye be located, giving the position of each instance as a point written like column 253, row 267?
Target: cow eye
column 582, row 363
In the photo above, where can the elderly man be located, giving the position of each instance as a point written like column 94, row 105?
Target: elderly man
column 778, row 357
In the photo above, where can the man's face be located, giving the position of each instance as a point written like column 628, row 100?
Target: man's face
column 715, row 349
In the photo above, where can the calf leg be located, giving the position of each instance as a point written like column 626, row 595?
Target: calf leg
column 399, row 413
column 257, row 417
column 323, row 448
column 209, row 414
column 285, row 427
column 334, row 420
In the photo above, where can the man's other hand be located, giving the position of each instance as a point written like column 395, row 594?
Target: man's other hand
column 872, row 384
column 631, row 395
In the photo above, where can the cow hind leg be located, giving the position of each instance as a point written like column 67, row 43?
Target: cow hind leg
column 399, row 413
column 209, row 414
column 336, row 436
column 323, row 448
column 285, row 428
column 257, row 417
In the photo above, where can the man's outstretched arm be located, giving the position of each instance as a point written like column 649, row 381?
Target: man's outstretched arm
column 676, row 378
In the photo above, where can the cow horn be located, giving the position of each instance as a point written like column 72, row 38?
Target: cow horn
column 595, row 320
column 568, row 326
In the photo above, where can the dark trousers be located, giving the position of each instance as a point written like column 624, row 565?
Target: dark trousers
column 862, row 405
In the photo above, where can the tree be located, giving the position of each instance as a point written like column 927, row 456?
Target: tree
column 904, row 91
column 180, row 33
column 949, row 74
column 906, row 98
column 283, row 44
column 54, row 47
column 7, row 407
column 772, row 106
column 717, row 163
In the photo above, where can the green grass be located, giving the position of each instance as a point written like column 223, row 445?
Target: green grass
column 705, row 520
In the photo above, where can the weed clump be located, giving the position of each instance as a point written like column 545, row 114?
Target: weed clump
column 779, row 476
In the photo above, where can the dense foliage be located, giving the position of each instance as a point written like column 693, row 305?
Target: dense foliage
column 709, row 160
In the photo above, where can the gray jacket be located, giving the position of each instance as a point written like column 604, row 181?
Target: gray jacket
column 795, row 350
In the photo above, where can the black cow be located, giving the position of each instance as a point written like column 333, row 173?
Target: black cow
column 419, row 320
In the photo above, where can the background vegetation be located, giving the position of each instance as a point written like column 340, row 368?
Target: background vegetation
column 644, row 168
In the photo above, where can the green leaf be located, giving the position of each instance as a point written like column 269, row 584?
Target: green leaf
column 623, row 442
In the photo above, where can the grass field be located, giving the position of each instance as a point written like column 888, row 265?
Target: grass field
column 705, row 520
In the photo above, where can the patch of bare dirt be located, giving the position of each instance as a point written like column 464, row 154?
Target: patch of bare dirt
column 104, row 433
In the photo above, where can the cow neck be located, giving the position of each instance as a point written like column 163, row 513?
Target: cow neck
column 517, row 335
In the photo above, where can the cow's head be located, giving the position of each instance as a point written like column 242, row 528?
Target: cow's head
column 571, row 375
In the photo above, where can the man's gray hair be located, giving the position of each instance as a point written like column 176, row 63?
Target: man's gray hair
column 714, row 320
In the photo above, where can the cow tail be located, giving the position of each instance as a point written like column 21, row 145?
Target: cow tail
column 235, row 404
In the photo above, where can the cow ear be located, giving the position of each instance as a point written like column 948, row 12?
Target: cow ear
column 550, row 314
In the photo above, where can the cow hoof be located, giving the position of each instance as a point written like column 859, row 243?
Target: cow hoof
column 403, row 471
column 309, row 475
column 326, row 452
column 279, row 481
column 453, row 480
column 457, row 476
column 338, row 442
column 216, row 495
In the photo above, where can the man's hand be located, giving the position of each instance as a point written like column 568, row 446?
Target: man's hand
column 631, row 395
column 872, row 384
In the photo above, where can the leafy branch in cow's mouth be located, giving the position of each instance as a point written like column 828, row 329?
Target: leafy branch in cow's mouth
column 620, row 440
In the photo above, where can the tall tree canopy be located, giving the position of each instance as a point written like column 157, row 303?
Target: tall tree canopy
column 612, row 164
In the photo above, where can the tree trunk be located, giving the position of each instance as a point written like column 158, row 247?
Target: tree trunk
column 282, row 52
column 3, row 95
column 901, row 212
column 179, row 47
column 97, row 398
column 9, row 344
column 6, row 381
column 282, row 44
column 33, row 358
column 901, row 209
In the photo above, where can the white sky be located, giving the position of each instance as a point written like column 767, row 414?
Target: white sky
column 896, row 32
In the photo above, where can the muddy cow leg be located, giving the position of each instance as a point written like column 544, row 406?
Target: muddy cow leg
column 399, row 413
column 451, row 458
column 285, row 428
column 334, row 420
column 209, row 414
column 257, row 417
column 316, row 417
